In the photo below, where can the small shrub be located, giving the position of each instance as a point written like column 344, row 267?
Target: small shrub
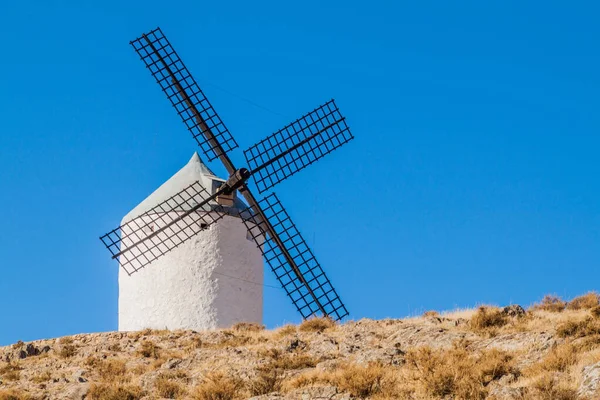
column 286, row 330
column 195, row 342
column 316, row 325
column 18, row 345
column 550, row 303
column 149, row 350
column 11, row 372
column 595, row 311
column 547, row 387
column 559, row 359
column 230, row 340
column 429, row 314
column 168, row 388
column 67, row 350
column 265, row 382
column 112, row 391
column 362, row 381
column 248, row 327
column 217, row 386
column 66, row 340
column 457, row 373
column 42, row 377
column 585, row 302
column 110, row 370
column 292, row 362
column 115, row 347
column 586, row 327
column 487, row 317
column 14, row 395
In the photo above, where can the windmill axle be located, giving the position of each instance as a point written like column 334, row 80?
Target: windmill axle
column 235, row 181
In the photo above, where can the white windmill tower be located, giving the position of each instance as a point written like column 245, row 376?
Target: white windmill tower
column 192, row 244
column 212, row 280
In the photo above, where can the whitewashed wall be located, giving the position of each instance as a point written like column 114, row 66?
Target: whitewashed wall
column 211, row 281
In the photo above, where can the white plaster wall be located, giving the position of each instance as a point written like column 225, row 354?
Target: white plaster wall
column 211, row 281
column 242, row 296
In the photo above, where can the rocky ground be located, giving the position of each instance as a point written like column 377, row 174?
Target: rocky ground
column 550, row 351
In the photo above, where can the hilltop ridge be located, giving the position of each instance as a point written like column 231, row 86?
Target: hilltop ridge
column 549, row 351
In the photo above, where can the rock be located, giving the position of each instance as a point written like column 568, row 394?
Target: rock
column 498, row 392
column 32, row 350
column 76, row 392
column 296, row 344
column 590, row 381
column 172, row 363
column 78, row 376
column 21, row 354
column 514, row 310
column 308, row 393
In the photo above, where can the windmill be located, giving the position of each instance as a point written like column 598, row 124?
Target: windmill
column 141, row 240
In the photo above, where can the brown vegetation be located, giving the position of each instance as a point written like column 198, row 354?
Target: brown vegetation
column 585, row 302
column 316, row 325
column 468, row 354
column 112, row 391
column 218, row 386
column 488, row 317
column 550, row 303
column 14, row 395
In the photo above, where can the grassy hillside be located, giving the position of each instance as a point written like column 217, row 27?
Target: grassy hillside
column 550, row 351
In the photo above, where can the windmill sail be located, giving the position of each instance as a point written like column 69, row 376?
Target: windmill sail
column 159, row 230
column 297, row 145
column 292, row 261
column 185, row 95
column 145, row 238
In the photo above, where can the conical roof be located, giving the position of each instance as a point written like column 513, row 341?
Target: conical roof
column 193, row 171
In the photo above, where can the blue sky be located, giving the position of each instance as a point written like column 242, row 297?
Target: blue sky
column 473, row 177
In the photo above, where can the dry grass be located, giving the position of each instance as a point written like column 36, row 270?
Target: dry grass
column 169, row 388
column 486, row 318
column 232, row 340
column 359, row 381
column 585, row 302
column 218, row 386
column 14, row 395
column 363, row 381
column 109, row 370
column 579, row 328
column 248, row 327
column 292, row 361
column 114, row 391
column 11, row 371
column 416, row 358
column 559, row 359
column 316, row 325
column 266, row 381
column 67, row 350
column 550, row 303
column 286, row 330
column 18, row 345
column 149, row 349
column 549, row 387
column 458, row 372
column 42, row 377
column 429, row 314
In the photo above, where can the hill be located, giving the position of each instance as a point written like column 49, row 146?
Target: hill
column 550, row 351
